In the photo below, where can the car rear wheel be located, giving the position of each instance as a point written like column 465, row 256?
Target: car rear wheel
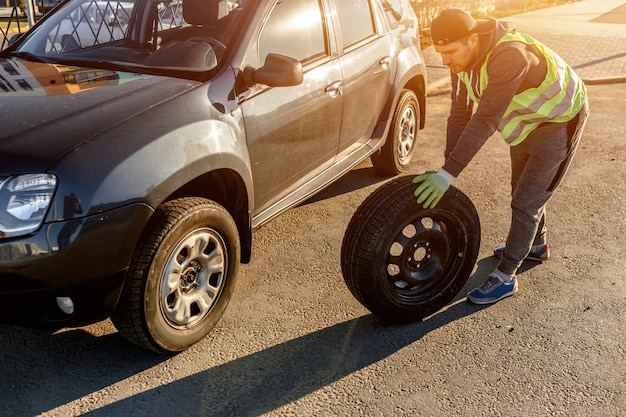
column 404, row 262
column 395, row 155
column 181, row 277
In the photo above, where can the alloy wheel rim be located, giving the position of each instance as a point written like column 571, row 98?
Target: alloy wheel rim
column 406, row 134
column 193, row 278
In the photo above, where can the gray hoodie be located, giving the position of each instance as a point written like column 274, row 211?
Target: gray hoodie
column 513, row 67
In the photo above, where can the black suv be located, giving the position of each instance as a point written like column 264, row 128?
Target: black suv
column 142, row 141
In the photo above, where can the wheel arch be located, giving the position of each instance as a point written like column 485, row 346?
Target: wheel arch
column 417, row 84
column 183, row 162
column 227, row 188
column 411, row 74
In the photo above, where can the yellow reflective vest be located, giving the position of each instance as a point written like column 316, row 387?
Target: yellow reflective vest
column 559, row 98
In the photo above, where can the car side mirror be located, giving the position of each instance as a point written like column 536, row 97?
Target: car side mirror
column 277, row 71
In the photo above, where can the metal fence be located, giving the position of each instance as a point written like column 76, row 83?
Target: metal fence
column 9, row 22
column 427, row 9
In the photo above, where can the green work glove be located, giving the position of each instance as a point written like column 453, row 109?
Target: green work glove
column 433, row 186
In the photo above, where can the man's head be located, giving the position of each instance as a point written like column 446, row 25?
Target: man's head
column 455, row 36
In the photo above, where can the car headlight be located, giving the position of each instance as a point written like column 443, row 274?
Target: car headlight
column 24, row 202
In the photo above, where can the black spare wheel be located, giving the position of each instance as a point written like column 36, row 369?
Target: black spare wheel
column 404, row 262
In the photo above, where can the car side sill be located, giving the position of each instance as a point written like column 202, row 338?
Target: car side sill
column 314, row 185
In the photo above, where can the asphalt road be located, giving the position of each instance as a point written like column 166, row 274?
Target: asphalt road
column 294, row 342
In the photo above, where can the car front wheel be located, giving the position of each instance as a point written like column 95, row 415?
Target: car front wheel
column 404, row 262
column 181, row 277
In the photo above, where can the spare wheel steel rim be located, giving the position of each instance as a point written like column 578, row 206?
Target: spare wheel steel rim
column 423, row 256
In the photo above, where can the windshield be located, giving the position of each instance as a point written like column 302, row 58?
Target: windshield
column 144, row 35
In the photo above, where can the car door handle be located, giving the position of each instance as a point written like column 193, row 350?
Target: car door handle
column 335, row 89
column 384, row 63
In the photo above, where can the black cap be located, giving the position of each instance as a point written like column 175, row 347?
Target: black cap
column 452, row 25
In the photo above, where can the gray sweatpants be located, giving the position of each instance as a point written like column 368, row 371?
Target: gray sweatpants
column 538, row 165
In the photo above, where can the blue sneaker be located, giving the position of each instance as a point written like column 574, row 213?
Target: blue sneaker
column 492, row 290
column 541, row 255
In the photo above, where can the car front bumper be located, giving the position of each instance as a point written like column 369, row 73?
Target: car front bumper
column 84, row 259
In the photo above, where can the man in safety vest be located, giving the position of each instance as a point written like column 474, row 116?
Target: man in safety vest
column 538, row 104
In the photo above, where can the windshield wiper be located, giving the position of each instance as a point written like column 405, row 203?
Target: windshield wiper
column 29, row 56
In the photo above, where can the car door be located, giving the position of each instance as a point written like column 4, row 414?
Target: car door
column 293, row 132
column 366, row 62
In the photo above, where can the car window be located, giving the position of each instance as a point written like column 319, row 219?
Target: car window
column 294, row 29
column 356, row 20
column 170, row 14
column 93, row 23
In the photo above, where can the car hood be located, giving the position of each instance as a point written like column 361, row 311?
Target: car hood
column 47, row 110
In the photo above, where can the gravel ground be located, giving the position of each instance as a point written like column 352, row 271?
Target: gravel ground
column 294, row 342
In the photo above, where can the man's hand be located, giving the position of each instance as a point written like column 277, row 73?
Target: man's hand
column 433, row 186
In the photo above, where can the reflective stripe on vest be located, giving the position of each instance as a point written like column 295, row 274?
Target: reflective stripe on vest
column 559, row 98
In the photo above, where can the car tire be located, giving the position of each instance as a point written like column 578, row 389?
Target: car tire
column 404, row 262
column 395, row 155
column 181, row 276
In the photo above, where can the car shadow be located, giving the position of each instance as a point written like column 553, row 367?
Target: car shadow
column 41, row 368
column 269, row 379
column 357, row 178
column 248, row 386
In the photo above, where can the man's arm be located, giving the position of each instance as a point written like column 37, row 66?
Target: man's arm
column 460, row 113
column 507, row 68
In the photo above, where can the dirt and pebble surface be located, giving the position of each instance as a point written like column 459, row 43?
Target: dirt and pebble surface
column 294, row 342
